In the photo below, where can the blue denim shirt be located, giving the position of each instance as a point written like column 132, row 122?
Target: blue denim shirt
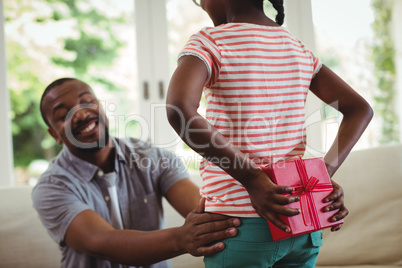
column 69, row 186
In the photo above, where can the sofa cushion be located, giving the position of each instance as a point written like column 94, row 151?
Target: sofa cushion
column 372, row 232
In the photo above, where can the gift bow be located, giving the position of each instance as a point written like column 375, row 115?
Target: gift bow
column 305, row 190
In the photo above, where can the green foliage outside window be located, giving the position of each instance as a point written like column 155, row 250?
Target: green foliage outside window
column 85, row 42
column 383, row 55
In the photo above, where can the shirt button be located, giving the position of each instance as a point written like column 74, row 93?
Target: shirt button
column 145, row 201
column 107, row 198
column 100, row 173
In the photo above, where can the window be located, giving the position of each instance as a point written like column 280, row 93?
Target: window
column 346, row 46
column 45, row 40
column 129, row 53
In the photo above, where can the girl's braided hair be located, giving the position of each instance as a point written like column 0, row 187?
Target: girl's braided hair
column 278, row 5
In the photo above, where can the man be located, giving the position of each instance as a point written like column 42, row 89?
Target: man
column 100, row 201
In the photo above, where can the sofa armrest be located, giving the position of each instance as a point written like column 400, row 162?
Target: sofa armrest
column 372, row 232
column 24, row 241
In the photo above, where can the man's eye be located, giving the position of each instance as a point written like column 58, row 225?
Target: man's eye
column 87, row 102
column 63, row 117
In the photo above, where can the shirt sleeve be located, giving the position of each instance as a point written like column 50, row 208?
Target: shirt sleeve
column 317, row 64
column 169, row 170
column 57, row 206
column 315, row 61
column 203, row 46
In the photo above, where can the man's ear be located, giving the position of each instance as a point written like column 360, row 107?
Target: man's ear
column 54, row 135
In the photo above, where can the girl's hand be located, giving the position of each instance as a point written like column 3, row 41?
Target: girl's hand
column 336, row 197
column 267, row 199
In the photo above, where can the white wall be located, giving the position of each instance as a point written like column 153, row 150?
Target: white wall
column 6, row 156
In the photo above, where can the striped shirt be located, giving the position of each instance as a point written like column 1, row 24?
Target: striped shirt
column 258, row 79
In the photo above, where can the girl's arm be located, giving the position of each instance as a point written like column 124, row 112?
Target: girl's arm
column 183, row 99
column 357, row 114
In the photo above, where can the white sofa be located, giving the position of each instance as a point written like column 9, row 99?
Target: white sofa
column 370, row 237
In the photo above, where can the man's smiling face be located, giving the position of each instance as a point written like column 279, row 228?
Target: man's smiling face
column 76, row 117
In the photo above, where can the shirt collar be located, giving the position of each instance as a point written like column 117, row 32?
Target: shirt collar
column 85, row 170
column 119, row 152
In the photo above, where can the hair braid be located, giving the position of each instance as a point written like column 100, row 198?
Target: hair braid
column 278, row 5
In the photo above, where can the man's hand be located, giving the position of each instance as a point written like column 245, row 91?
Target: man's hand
column 201, row 229
column 267, row 199
column 336, row 199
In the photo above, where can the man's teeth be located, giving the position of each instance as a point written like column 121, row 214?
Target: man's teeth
column 88, row 128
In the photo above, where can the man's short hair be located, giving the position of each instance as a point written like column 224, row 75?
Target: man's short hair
column 51, row 86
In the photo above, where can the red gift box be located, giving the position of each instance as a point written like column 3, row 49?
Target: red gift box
column 312, row 183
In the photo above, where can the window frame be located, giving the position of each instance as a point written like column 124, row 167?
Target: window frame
column 6, row 152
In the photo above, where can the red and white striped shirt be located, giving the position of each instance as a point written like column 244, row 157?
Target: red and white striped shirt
column 258, row 78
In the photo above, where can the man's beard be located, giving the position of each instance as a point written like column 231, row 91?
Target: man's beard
column 103, row 141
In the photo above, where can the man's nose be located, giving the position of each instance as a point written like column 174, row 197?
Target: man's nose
column 80, row 114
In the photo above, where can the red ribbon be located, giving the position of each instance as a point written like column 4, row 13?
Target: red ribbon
column 305, row 190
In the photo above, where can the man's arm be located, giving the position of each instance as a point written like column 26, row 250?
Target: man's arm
column 91, row 234
column 184, row 196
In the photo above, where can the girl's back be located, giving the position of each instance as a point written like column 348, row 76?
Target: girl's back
column 257, row 86
column 255, row 76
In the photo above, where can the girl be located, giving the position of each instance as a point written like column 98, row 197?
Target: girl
column 255, row 76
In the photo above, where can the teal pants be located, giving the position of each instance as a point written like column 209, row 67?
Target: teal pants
column 253, row 247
